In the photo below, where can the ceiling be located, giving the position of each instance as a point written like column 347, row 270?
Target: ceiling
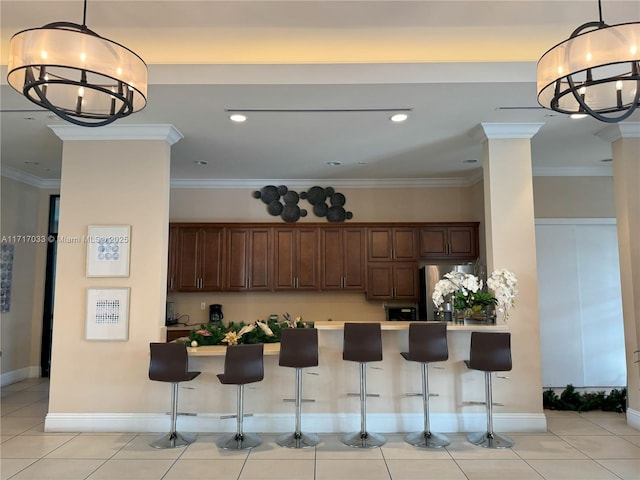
column 322, row 79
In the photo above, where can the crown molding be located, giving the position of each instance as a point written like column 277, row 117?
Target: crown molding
column 620, row 130
column 29, row 179
column 168, row 133
column 343, row 183
column 486, row 131
column 598, row 171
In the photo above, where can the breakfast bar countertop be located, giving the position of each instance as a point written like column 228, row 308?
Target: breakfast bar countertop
column 404, row 325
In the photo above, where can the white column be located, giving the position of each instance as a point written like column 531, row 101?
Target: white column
column 113, row 175
column 625, row 147
column 510, row 244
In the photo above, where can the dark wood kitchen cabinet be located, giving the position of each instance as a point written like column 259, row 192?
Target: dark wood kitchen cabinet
column 248, row 255
column 198, row 260
column 296, row 258
column 451, row 241
column 171, row 265
column 392, row 244
column 342, row 258
column 393, row 281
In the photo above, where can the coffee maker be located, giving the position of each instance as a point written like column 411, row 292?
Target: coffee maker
column 215, row 313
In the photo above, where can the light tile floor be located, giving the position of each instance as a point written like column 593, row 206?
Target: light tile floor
column 593, row 445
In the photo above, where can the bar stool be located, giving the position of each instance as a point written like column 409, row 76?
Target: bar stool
column 362, row 344
column 298, row 349
column 242, row 364
column 427, row 343
column 169, row 363
column 490, row 352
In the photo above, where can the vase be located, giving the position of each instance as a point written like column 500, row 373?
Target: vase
column 469, row 317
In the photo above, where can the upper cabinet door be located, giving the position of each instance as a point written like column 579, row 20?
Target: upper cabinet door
column 199, row 259
column 453, row 241
column 393, row 281
column 211, row 262
column 392, row 244
column 296, row 265
column 248, row 256
column 342, row 258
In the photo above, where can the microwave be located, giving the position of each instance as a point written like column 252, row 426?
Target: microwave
column 397, row 313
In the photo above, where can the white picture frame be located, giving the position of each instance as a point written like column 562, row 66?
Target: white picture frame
column 108, row 248
column 107, row 314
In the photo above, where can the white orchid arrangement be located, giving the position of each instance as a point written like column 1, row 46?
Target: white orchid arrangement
column 466, row 291
column 504, row 285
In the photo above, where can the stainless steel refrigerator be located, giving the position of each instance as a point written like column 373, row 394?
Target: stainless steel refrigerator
column 430, row 274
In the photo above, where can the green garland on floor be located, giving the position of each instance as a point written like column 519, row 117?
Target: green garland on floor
column 570, row 399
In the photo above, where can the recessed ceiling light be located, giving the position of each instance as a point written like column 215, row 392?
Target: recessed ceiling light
column 363, row 163
column 334, row 163
column 470, row 160
column 201, row 162
column 399, row 117
column 576, row 116
column 237, row 117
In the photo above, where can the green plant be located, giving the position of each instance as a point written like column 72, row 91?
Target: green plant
column 570, row 399
column 267, row 331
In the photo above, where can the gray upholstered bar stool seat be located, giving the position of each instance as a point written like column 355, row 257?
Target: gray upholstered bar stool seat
column 490, row 352
column 427, row 343
column 362, row 344
column 298, row 349
column 169, row 363
column 242, row 364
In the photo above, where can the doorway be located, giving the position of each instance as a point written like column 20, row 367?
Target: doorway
column 49, row 285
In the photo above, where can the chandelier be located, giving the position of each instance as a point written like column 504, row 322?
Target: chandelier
column 595, row 72
column 80, row 76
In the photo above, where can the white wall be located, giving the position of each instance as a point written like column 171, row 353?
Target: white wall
column 581, row 327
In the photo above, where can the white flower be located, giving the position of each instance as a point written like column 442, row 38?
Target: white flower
column 505, row 288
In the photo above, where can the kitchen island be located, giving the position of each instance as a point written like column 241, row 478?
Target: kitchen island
column 328, row 386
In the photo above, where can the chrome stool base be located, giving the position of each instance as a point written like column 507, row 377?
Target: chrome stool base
column 490, row 440
column 427, row 440
column 298, row 440
column 173, row 440
column 363, row 440
column 238, row 441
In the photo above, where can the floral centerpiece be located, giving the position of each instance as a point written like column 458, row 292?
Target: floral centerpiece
column 468, row 297
column 260, row 331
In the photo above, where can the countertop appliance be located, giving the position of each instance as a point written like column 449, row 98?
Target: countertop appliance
column 429, row 276
column 400, row 313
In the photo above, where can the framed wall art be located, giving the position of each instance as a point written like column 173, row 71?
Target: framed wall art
column 107, row 314
column 108, row 248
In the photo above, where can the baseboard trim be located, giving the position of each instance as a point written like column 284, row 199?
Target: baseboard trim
column 633, row 418
column 280, row 423
column 14, row 376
